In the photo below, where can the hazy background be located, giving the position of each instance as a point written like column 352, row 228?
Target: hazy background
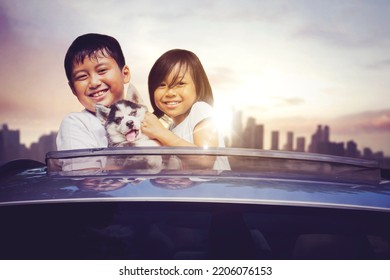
column 290, row 64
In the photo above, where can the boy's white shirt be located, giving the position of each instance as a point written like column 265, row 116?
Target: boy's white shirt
column 185, row 130
column 81, row 130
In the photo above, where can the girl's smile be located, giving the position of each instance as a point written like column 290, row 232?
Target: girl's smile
column 175, row 98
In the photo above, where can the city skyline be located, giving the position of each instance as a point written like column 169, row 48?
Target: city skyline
column 250, row 135
column 283, row 131
column 253, row 135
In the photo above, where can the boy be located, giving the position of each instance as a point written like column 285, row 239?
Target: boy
column 96, row 71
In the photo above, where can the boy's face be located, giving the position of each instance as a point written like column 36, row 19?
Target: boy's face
column 99, row 80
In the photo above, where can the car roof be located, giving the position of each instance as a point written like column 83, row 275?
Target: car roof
column 256, row 177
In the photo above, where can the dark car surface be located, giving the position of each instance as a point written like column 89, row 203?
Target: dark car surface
column 265, row 205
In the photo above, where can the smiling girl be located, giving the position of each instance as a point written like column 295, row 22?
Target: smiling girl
column 179, row 88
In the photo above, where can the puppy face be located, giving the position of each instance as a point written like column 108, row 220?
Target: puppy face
column 122, row 121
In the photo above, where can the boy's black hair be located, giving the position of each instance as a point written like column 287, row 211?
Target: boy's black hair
column 88, row 45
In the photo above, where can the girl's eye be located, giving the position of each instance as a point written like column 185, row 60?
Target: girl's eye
column 179, row 84
column 162, row 85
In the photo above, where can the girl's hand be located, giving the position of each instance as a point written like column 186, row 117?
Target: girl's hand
column 152, row 127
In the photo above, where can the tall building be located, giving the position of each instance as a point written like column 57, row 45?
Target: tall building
column 316, row 139
column 326, row 134
column 9, row 144
column 275, row 140
column 46, row 143
column 320, row 143
column 237, row 131
column 352, row 150
column 290, row 142
column 300, row 144
column 259, row 136
column 248, row 140
column 367, row 153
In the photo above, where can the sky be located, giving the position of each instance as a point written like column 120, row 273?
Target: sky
column 291, row 64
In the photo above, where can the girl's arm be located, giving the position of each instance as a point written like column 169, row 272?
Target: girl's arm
column 205, row 135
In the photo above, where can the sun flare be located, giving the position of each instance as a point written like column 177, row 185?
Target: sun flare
column 223, row 118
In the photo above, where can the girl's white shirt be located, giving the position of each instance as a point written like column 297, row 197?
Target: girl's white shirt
column 185, row 130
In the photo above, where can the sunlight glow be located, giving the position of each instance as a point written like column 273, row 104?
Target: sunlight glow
column 223, row 117
column 278, row 93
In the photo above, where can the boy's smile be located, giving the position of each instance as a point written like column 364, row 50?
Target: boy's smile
column 99, row 80
column 97, row 94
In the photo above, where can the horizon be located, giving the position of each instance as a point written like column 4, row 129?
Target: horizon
column 266, row 140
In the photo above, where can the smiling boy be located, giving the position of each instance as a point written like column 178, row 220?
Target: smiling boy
column 96, row 71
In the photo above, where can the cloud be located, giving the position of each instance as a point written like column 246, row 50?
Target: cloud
column 4, row 24
column 10, row 107
column 222, row 77
column 289, row 101
column 365, row 122
column 379, row 65
column 354, row 24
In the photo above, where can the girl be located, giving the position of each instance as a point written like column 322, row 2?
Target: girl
column 179, row 88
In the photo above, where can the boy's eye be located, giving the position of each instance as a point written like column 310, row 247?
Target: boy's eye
column 118, row 120
column 80, row 77
column 102, row 70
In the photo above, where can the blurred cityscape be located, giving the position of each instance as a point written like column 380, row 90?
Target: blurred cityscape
column 11, row 148
column 250, row 136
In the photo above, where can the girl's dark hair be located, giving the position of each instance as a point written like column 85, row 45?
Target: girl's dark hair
column 187, row 61
column 91, row 45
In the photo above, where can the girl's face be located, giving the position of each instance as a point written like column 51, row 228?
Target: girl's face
column 99, row 80
column 177, row 99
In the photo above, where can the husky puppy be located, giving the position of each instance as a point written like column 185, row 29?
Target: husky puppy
column 122, row 121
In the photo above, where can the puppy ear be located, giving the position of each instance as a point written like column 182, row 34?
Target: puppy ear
column 102, row 112
column 134, row 96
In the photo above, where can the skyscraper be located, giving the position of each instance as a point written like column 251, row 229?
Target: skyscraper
column 300, row 144
column 275, row 140
column 237, row 130
column 259, row 136
column 9, row 144
column 290, row 142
